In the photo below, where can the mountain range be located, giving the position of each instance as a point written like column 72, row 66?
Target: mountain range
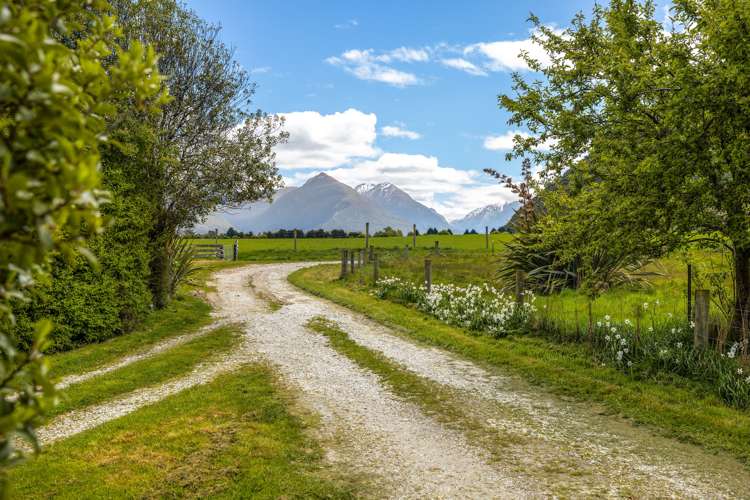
column 325, row 203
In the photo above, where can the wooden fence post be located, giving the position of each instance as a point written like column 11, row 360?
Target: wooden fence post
column 437, row 247
column 375, row 268
column 344, row 255
column 359, row 258
column 690, row 293
column 367, row 234
column 702, row 301
column 428, row 274
column 519, row 287
column 295, row 240
column 236, row 249
column 351, row 257
column 414, row 236
column 486, row 237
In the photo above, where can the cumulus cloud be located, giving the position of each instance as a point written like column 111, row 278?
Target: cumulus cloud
column 463, row 65
column 477, row 59
column 399, row 131
column 365, row 65
column 504, row 142
column 452, row 192
column 325, row 141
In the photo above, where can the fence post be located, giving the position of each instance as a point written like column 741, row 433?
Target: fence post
column 690, row 292
column 414, row 236
column 236, row 252
column 519, row 287
column 372, row 253
column 437, row 247
column 428, row 274
column 486, row 237
column 344, row 255
column 375, row 268
column 367, row 234
column 351, row 257
column 359, row 258
column 702, row 301
column 295, row 240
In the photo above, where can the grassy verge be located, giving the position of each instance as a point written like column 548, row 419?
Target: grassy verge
column 185, row 314
column 176, row 361
column 681, row 410
column 232, row 438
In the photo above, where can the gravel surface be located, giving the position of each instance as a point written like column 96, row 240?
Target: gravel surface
column 565, row 448
column 560, row 448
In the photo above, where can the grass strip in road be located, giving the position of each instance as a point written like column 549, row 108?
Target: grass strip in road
column 680, row 410
column 433, row 399
column 235, row 437
column 185, row 314
column 157, row 369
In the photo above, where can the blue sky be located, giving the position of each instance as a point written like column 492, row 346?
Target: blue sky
column 394, row 91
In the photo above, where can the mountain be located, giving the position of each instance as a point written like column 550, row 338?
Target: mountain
column 325, row 203
column 244, row 218
column 493, row 216
column 397, row 203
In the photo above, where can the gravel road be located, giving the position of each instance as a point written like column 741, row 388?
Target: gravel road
column 560, row 448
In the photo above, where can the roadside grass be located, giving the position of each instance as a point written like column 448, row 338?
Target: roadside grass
column 157, row 369
column 433, row 399
column 186, row 313
column 232, row 438
column 669, row 405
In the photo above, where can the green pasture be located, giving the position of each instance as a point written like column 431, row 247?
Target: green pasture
column 280, row 249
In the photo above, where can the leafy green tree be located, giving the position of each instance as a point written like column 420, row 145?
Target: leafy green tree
column 56, row 104
column 212, row 150
column 652, row 126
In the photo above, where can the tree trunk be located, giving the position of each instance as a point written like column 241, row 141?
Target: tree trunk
column 160, row 267
column 741, row 313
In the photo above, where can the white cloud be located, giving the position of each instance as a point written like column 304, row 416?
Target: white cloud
column 326, row 141
column 463, row 65
column 506, row 55
column 504, row 142
column 406, row 54
column 348, row 24
column 399, row 131
column 452, row 192
column 366, row 66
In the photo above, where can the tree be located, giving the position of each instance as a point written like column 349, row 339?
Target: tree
column 212, row 151
column 56, row 108
column 651, row 127
column 231, row 233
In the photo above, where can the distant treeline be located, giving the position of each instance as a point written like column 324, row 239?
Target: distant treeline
column 333, row 233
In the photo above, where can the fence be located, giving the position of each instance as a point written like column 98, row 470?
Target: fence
column 208, row 251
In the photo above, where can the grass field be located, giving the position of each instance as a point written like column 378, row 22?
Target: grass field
column 281, row 249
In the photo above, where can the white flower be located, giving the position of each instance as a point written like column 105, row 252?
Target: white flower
column 606, row 337
column 645, row 305
column 674, row 330
column 630, row 363
column 669, row 315
column 650, row 328
column 679, row 345
column 692, row 324
column 599, row 323
column 748, row 379
column 623, row 342
column 625, row 350
column 606, row 317
column 617, row 336
column 613, row 329
column 619, row 355
column 627, row 321
column 739, row 371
